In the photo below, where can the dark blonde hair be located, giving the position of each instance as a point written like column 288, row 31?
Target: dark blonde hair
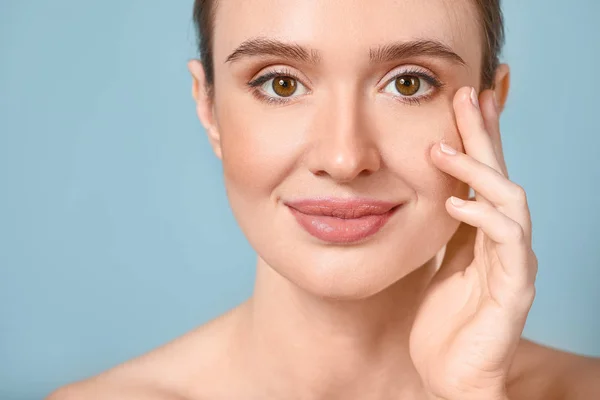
column 491, row 20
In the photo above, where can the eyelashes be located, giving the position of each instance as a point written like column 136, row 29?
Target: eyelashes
column 411, row 77
column 258, row 92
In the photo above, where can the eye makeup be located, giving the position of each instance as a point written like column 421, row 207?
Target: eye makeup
column 423, row 76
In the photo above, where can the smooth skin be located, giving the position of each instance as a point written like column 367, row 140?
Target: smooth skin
column 475, row 353
column 468, row 354
column 382, row 320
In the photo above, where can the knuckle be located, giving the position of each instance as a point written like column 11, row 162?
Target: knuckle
column 534, row 265
column 534, row 258
column 516, row 232
column 524, row 296
column 529, row 295
column 532, row 292
column 517, row 193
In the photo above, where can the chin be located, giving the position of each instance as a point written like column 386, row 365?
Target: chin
column 354, row 271
column 357, row 274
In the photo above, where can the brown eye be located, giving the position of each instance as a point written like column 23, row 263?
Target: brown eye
column 284, row 86
column 408, row 85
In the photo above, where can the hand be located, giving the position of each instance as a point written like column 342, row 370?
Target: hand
column 473, row 313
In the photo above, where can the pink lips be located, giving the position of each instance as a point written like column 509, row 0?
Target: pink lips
column 342, row 220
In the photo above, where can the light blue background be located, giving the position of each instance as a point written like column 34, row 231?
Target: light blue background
column 115, row 232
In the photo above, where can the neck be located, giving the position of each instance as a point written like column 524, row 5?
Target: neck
column 320, row 348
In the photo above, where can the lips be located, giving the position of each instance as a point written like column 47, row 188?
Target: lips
column 342, row 220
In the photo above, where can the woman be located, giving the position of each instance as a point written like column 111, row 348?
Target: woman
column 349, row 133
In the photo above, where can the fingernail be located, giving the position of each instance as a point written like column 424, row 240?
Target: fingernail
column 447, row 149
column 457, row 202
column 474, row 98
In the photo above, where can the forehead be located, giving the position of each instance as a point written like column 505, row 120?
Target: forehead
column 344, row 30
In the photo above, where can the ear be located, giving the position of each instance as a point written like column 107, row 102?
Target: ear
column 502, row 85
column 204, row 105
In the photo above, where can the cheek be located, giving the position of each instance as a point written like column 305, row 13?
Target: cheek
column 259, row 150
column 407, row 152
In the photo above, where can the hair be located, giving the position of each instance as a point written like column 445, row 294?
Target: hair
column 491, row 20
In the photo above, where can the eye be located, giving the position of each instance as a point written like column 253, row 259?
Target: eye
column 277, row 86
column 413, row 85
column 284, row 86
column 409, row 85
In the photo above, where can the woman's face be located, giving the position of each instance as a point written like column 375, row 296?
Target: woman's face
column 353, row 116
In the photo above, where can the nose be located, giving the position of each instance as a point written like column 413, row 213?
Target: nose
column 343, row 144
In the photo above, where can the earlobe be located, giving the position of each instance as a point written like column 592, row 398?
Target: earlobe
column 502, row 85
column 204, row 105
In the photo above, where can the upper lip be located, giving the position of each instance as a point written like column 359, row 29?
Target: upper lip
column 341, row 208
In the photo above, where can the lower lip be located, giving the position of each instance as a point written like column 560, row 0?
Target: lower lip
column 339, row 230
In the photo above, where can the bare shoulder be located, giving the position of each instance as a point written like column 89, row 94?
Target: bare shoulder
column 542, row 372
column 93, row 389
column 189, row 367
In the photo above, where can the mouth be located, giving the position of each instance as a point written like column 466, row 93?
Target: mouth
column 342, row 221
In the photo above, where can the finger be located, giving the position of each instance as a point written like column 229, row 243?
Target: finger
column 508, row 235
column 507, row 196
column 491, row 120
column 471, row 126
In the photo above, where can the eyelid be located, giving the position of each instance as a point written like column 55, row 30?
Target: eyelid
column 275, row 72
column 422, row 73
column 255, row 85
column 409, row 69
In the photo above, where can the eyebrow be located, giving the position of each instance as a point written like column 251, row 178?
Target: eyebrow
column 256, row 47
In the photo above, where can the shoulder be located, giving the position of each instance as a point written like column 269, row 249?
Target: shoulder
column 188, row 367
column 106, row 390
column 542, row 372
